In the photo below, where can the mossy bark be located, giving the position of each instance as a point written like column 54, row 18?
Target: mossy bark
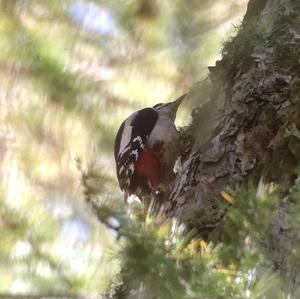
column 244, row 128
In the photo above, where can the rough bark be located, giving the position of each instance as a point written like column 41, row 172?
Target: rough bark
column 241, row 131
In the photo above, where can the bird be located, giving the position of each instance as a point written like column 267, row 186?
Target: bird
column 143, row 162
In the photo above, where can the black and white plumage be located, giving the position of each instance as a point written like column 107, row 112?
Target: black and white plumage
column 130, row 140
column 138, row 135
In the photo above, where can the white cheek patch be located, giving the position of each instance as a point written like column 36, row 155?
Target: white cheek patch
column 164, row 131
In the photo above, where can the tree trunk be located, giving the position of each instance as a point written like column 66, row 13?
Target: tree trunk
column 242, row 130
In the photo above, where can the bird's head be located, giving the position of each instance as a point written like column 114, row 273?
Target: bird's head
column 169, row 109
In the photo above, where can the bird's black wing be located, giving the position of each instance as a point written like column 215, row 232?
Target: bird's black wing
column 141, row 125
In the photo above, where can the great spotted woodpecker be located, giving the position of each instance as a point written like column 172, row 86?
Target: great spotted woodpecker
column 140, row 148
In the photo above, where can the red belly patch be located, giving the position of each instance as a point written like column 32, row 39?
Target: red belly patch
column 150, row 165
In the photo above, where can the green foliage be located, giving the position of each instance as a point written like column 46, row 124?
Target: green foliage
column 159, row 260
column 246, row 223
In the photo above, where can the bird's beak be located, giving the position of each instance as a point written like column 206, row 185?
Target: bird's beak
column 177, row 102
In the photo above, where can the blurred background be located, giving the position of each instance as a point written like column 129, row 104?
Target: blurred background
column 70, row 72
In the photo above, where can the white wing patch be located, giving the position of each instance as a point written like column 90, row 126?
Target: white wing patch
column 136, row 153
column 121, row 169
column 128, row 157
column 140, row 140
column 126, row 136
column 130, row 142
column 131, row 167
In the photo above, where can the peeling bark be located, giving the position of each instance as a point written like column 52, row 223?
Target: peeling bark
column 242, row 130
